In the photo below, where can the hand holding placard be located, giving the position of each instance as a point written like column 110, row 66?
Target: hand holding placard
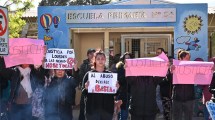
column 192, row 72
column 154, row 66
column 75, row 66
column 117, row 85
column 59, row 58
column 172, row 68
column 24, row 51
column 102, row 83
column 87, row 84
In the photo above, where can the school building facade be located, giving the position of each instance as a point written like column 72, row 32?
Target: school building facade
column 116, row 28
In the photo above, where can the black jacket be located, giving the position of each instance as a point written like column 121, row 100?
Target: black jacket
column 124, row 89
column 212, row 85
column 59, row 98
column 183, row 92
column 166, row 86
column 84, row 68
column 15, row 76
column 3, row 85
column 99, row 101
column 143, row 95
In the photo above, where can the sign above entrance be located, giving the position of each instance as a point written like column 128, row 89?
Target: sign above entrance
column 121, row 15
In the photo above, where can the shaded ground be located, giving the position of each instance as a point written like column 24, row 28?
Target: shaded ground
column 76, row 113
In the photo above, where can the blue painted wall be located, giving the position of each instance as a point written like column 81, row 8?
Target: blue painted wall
column 194, row 39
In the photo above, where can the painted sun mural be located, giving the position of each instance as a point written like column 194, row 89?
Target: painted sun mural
column 192, row 24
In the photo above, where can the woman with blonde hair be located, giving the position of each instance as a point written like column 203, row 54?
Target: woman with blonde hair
column 183, row 94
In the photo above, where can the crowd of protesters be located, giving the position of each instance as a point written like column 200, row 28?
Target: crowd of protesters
column 40, row 94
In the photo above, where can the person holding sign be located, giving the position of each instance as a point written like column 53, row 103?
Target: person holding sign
column 212, row 91
column 183, row 94
column 24, row 79
column 158, row 89
column 143, row 76
column 212, row 84
column 143, row 104
column 84, row 68
column 166, row 93
column 206, row 95
column 99, row 106
column 59, row 96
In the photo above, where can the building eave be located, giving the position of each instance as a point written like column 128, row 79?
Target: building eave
column 30, row 13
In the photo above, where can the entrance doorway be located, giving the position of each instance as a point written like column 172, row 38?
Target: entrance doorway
column 145, row 45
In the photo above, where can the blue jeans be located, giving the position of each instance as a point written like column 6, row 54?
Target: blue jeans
column 158, row 99
column 206, row 113
column 123, row 115
column 21, row 112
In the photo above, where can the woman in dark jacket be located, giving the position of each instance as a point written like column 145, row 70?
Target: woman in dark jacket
column 166, row 94
column 183, row 95
column 124, row 88
column 99, row 106
column 84, row 68
column 60, row 96
column 24, row 79
column 143, row 104
column 212, row 88
column 212, row 85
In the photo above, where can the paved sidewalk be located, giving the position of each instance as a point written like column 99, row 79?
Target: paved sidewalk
column 76, row 114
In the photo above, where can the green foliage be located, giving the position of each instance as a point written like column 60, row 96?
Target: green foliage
column 15, row 24
column 89, row 2
column 18, row 5
column 213, row 43
column 16, row 8
column 72, row 2
column 54, row 2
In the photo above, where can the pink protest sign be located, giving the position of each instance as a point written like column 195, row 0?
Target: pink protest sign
column 154, row 66
column 24, row 51
column 192, row 72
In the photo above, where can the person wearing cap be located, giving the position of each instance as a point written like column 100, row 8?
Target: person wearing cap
column 87, row 63
column 84, row 68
